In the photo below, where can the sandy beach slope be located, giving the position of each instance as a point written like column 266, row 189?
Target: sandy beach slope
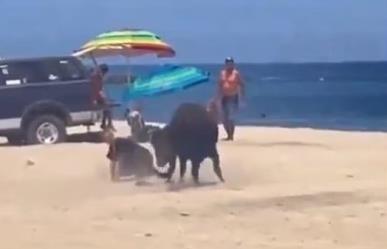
column 285, row 188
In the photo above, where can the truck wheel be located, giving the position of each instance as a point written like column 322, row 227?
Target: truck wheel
column 46, row 129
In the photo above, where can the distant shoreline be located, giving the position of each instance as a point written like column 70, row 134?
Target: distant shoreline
column 383, row 62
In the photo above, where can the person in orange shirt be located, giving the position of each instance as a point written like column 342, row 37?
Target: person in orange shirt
column 230, row 92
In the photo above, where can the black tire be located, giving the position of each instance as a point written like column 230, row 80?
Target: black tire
column 33, row 126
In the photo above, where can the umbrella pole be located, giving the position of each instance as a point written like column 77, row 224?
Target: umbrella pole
column 135, row 103
column 128, row 69
column 128, row 103
column 93, row 59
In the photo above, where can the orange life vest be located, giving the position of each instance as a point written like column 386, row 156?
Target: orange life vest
column 230, row 82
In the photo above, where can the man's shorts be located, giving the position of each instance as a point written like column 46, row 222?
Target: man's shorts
column 230, row 106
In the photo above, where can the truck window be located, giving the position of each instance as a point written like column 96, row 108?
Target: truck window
column 16, row 73
column 64, row 69
column 2, row 78
column 70, row 70
column 40, row 71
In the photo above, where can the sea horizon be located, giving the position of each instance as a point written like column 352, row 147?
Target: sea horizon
column 133, row 63
column 343, row 96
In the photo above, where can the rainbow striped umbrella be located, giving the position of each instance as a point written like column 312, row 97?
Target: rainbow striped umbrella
column 126, row 42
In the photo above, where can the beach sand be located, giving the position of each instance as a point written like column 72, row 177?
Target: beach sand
column 285, row 188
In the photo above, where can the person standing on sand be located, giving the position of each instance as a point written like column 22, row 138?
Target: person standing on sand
column 98, row 96
column 230, row 93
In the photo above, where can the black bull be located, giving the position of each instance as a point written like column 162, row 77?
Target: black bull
column 191, row 135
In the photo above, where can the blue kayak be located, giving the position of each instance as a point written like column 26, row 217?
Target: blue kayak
column 168, row 79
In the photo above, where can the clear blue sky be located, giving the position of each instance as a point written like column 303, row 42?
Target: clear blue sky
column 205, row 30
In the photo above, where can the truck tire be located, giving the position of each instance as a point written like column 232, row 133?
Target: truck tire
column 46, row 129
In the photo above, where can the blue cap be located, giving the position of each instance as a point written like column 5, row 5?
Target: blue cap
column 229, row 59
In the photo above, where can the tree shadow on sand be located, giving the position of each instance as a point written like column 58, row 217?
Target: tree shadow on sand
column 305, row 201
column 283, row 144
column 171, row 186
column 137, row 183
column 90, row 137
column 179, row 186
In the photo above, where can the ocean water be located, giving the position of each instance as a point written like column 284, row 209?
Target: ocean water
column 341, row 96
